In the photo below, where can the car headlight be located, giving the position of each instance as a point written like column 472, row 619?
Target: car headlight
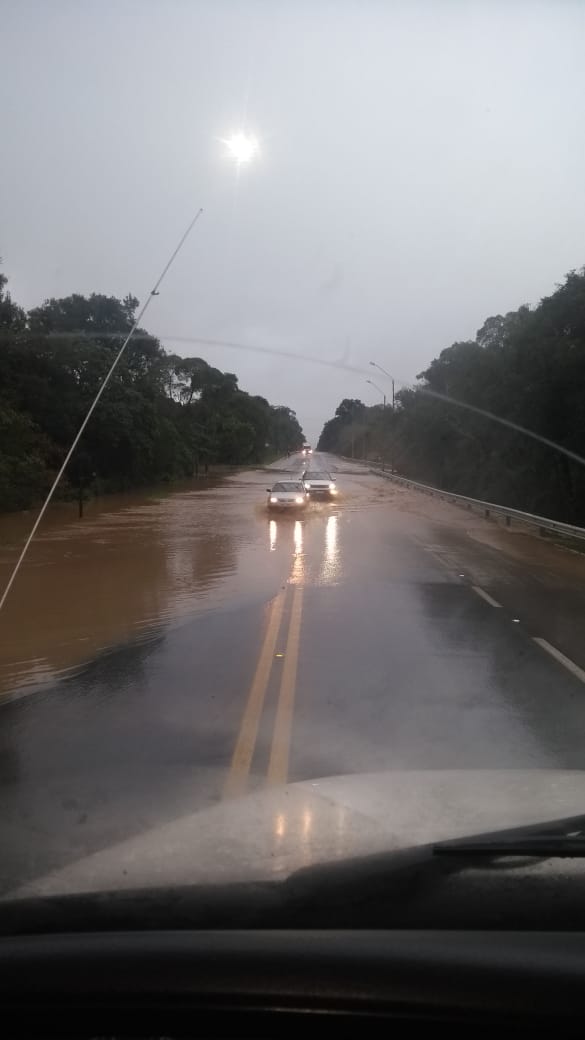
column 307, row 486
column 332, row 486
column 273, row 498
column 299, row 500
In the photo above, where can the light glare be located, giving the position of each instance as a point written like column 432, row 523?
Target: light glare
column 241, row 147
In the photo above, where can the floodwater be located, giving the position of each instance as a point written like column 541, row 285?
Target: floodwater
column 233, row 651
column 133, row 563
column 144, row 561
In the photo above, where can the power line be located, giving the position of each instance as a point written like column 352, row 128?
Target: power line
column 92, row 407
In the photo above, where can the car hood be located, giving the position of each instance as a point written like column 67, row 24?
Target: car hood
column 270, row 834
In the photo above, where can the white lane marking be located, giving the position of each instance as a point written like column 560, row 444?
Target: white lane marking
column 561, row 658
column 485, row 595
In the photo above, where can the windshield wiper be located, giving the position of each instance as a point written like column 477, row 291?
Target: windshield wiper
column 556, row 838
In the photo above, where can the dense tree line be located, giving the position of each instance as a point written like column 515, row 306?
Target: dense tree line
column 526, row 367
column 161, row 417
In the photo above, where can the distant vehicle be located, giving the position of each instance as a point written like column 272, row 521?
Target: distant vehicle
column 307, row 449
column 319, row 483
column 287, row 494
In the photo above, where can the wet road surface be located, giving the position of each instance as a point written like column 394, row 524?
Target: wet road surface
column 192, row 648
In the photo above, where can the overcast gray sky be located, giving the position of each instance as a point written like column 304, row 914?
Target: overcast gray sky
column 421, row 166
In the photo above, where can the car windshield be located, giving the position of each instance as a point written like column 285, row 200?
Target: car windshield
column 240, row 240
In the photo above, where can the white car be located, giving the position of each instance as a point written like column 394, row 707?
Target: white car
column 287, row 494
column 319, row 483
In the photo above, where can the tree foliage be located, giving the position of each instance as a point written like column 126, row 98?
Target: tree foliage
column 526, row 367
column 160, row 418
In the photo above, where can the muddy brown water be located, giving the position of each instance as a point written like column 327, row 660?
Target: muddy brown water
column 147, row 559
column 133, row 563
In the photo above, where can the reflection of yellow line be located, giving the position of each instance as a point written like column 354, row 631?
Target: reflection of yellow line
column 242, row 757
column 279, row 755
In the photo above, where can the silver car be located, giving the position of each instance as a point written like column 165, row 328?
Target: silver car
column 287, row 494
column 319, row 483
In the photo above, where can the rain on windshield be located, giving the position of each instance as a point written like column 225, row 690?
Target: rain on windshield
column 259, row 228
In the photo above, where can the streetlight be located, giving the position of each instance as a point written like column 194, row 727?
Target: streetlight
column 379, row 389
column 391, row 378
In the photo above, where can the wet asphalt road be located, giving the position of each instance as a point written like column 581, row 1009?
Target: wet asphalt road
column 383, row 630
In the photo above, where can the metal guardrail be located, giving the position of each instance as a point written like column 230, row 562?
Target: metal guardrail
column 542, row 523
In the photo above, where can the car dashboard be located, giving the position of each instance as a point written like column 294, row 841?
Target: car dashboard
column 250, row 983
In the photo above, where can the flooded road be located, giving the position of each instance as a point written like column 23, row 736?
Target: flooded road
column 175, row 651
column 133, row 563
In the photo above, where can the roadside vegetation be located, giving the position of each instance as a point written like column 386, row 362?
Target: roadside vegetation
column 162, row 417
column 527, row 367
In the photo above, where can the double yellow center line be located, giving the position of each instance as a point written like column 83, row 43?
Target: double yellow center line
column 280, row 751
column 237, row 778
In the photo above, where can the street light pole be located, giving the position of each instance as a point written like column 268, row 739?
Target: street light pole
column 391, row 378
column 379, row 389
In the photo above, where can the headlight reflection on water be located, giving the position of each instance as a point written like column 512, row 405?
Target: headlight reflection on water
column 330, row 566
column 281, row 529
column 298, row 568
column 331, row 539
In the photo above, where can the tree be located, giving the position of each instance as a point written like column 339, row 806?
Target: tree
column 12, row 317
column 339, row 434
column 350, row 409
column 94, row 315
column 526, row 367
column 25, row 460
column 285, row 434
column 160, row 416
